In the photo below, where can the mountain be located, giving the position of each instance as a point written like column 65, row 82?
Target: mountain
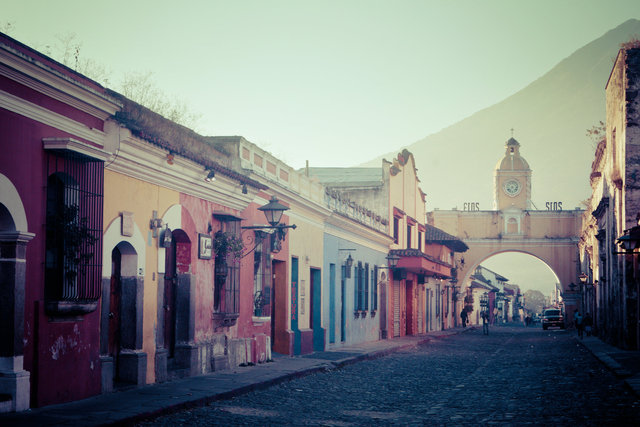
column 550, row 117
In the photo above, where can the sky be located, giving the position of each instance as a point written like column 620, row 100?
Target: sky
column 336, row 83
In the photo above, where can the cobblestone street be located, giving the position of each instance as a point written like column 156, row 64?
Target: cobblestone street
column 513, row 376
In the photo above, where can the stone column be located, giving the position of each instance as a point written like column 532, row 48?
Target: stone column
column 14, row 380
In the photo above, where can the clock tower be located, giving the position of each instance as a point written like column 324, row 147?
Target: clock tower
column 512, row 180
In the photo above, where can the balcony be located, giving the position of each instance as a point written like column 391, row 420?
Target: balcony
column 417, row 262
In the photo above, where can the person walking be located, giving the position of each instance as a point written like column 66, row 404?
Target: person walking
column 577, row 318
column 588, row 323
column 464, row 317
column 485, row 323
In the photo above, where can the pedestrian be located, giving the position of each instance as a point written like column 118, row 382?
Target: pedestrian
column 588, row 323
column 577, row 317
column 485, row 323
column 464, row 317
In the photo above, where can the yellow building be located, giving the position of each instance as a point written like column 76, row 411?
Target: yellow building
column 514, row 226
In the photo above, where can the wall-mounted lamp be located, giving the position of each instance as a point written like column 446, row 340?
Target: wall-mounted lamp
column 167, row 239
column 392, row 260
column 273, row 212
column 583, row 278
column 349, row 262
column 244, row 189
column 629, row 241
column 211, row 176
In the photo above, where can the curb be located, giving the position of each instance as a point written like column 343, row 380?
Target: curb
column 204, row 401
column 631, row 382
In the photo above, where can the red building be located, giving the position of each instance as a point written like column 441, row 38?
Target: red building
column 54, row 146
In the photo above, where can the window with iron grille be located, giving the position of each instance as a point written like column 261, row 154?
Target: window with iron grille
column 262, row 277
column 73, row 236
column 226, row 297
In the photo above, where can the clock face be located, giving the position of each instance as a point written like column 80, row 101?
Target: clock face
column 512, row 188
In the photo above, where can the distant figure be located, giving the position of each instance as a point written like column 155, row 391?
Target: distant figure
column 485, row 323
column 527, row 320
column 577, row 318
column 588, row 323
column 464, row 317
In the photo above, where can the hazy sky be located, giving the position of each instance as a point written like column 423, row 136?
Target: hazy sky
column 332, row 82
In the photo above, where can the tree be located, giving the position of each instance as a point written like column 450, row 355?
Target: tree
column 597, row 133
column 534, row 301
column 137, row 86
column 141, row 88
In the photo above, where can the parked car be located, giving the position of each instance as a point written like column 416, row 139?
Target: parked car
column 552, row 317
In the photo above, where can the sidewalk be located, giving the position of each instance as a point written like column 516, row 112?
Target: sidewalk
column 624, row 364
column 128, row 406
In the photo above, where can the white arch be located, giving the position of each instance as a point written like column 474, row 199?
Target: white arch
column 111, row 239
column 11, row 199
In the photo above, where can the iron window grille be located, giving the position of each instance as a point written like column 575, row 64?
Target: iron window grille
column 226, row 298
column 73, row 232
column 262, row 279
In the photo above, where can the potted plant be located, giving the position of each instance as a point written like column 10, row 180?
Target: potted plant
column 226, row 244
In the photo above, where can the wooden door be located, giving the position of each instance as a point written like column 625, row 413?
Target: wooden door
column 396, row 308
column 115, row 295
column 343, row 304
column 409, row 293
column 170, row 279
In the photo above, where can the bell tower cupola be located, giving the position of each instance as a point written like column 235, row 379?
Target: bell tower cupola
column 512, row 180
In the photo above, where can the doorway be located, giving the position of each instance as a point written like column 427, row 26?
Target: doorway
column 115, row 296
column 278, row 301
column 315, row 316
column 409, row 300
column 169, row 306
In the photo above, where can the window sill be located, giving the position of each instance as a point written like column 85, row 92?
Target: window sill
column 260, row 319
column 226, row 319
column 70, row 308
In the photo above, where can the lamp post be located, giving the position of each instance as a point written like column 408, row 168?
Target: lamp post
column 629, row 242
column 273, row 211
column 583, row 282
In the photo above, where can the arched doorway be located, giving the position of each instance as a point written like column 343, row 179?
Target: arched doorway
column 124, row 312
column 14, row 238
column 176, row 296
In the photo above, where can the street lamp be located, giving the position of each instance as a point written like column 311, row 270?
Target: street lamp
column 629, row 240
column 392, row 260
column 273, row 211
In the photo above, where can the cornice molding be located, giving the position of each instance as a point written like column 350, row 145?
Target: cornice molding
column 338, row 225
column 35, row 112
column 35, row 75
column 522, row 243
column 70, row 144
column 147, row 163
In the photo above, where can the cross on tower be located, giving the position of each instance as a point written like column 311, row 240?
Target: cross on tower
column 511, row 132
